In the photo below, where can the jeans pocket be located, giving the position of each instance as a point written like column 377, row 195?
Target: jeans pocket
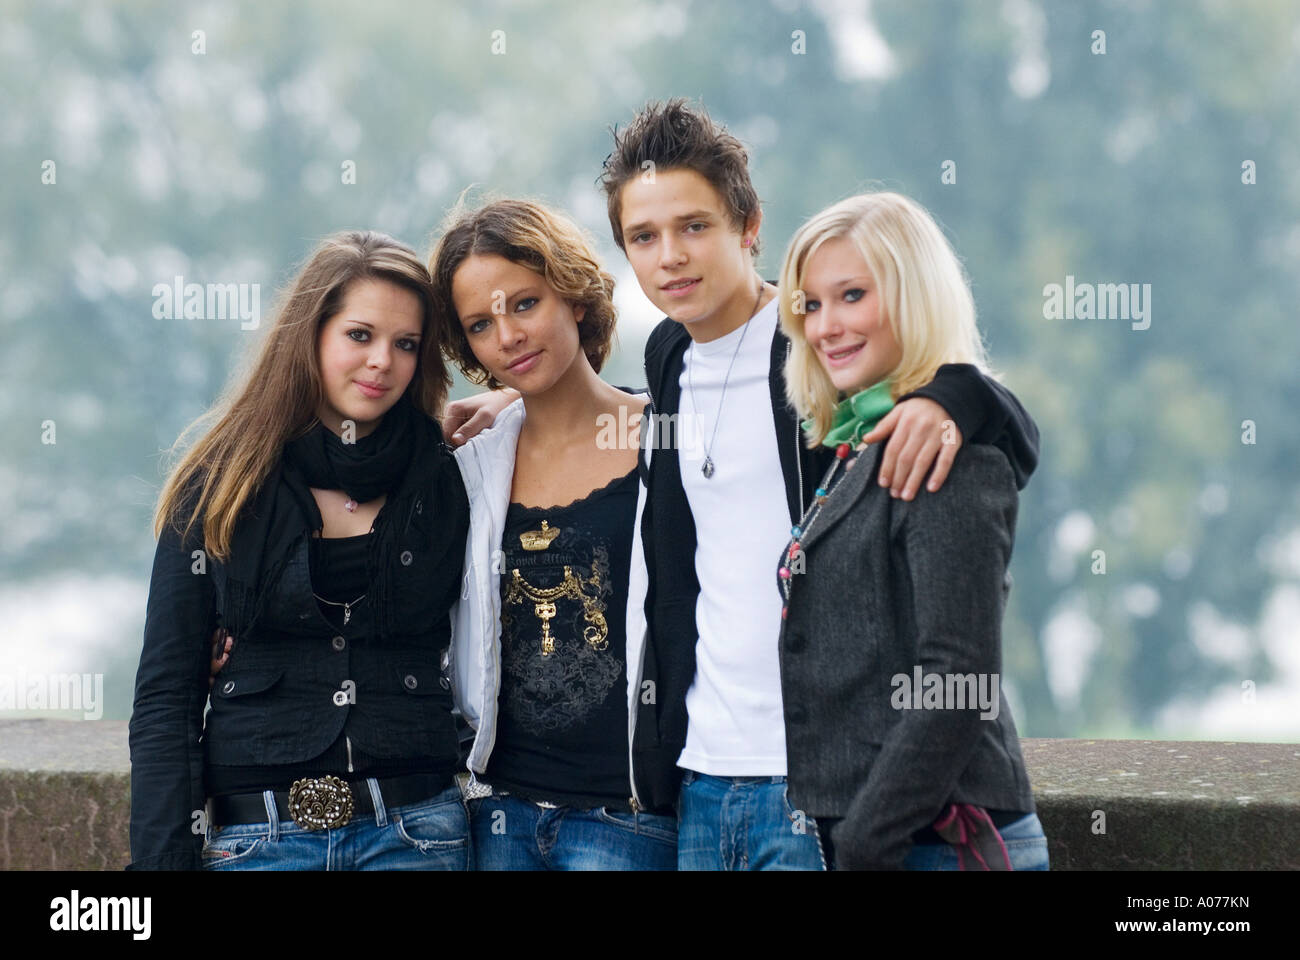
column 438, row 827
column 1028, row 854
column 225, row 851
column 650, row 825
column 1026, row 844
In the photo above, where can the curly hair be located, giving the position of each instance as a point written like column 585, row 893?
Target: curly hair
column 543, row 240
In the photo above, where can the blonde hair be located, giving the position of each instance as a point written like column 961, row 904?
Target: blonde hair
column 543, row 240
column 921, row 288
column 278, row 398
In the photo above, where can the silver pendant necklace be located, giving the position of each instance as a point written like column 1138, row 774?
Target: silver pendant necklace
column 347, row 607
column 708, row 468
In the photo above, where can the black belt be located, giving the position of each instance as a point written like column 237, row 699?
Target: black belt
column 396, row 791
column 573, row 803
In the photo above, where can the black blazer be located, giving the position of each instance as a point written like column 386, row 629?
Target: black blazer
column 274, row 702
column 887, row 586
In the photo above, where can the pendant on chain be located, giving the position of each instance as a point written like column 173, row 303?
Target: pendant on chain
column 707, row 469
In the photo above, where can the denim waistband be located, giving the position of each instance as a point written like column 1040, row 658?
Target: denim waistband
column 692, row 775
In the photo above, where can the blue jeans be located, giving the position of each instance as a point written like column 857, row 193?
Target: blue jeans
column 430, row 835
column 1026, row 847
column 743, row 823
column 515, row 834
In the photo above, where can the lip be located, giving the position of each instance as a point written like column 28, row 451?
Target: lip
column 846, row 358
column 688, row 285
column 372, row 390
column 524, row 363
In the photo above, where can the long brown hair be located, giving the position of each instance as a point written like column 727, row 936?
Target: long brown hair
column 277, row 399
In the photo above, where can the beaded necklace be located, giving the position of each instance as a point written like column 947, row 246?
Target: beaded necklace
column 805, row 524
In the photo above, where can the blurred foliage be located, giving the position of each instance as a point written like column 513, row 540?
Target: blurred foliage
column 1122, row 167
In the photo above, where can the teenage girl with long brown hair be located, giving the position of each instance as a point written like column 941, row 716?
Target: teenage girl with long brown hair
column 320, row 520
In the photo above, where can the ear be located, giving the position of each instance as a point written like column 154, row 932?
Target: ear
column 579, row 311
column 749, row 236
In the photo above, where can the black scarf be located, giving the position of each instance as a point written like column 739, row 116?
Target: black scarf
column 400, row 458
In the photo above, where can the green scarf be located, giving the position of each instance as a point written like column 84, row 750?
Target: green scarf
column 858, row 415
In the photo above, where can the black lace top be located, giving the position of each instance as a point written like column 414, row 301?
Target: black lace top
column 562, row 710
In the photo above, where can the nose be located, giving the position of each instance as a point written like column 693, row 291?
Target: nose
column 509, row 332
column 379, row 357
column 822, row 326
column 672, row 253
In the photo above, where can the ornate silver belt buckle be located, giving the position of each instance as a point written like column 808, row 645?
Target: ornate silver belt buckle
column 320, row 803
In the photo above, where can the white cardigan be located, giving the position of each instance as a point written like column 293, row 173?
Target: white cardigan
column 487, row 464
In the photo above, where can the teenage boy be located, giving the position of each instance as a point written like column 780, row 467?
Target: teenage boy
column 709, row 738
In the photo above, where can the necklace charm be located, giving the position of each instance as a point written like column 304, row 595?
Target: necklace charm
column 347, row 607
column 350, row 506
column 707, row 469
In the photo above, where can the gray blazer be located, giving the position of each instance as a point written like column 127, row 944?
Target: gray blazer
column 892, row 589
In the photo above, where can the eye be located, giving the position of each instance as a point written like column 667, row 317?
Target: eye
column 698, row 223
column 409, row 345
column 854, row 295
column 359, row 334
column 478, row 326
column 812, row 306
column 529, row 301
column 640, row 237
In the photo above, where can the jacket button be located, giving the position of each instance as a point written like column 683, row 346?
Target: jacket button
column 410, row 681
column 794, row 642
column 304, row 615
column 338, row 643
column 444, row 683
column 230, row 686
column 797, row 714
column 406, row 558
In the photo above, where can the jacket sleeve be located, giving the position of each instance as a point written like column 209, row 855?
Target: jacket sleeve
column 954, row 547
column 985, row 412
column 171, row 689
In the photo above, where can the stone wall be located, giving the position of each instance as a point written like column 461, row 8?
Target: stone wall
column 1105, row 804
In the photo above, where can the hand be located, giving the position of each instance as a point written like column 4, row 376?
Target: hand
column 465, row 419
column 220, row 653
column 924, row 436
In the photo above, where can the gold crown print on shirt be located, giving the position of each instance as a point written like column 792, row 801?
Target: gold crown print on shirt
column 539, row 539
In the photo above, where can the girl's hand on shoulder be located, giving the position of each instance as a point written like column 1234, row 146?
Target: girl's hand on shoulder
column 920, row 435
column 465, row 419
